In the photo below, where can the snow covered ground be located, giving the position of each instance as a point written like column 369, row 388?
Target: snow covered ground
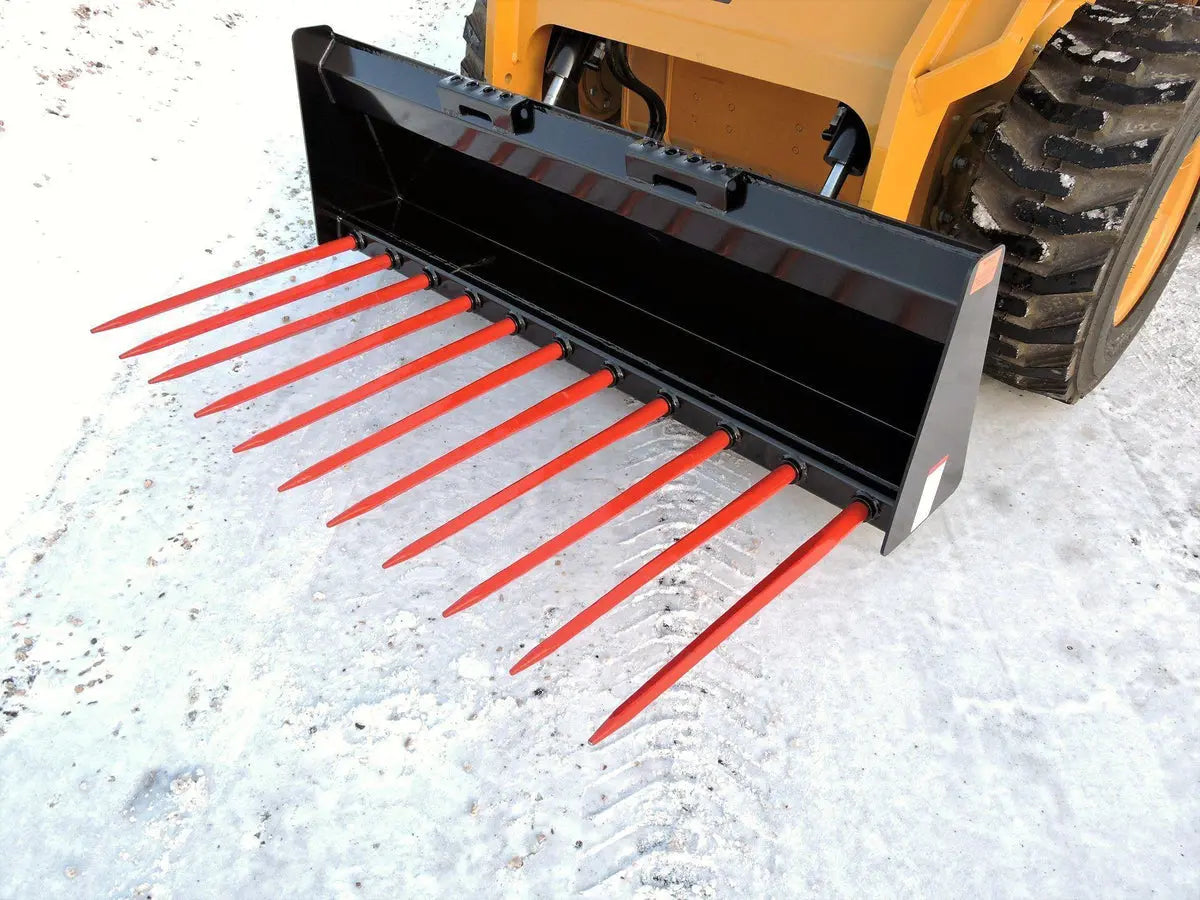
column 208, row 693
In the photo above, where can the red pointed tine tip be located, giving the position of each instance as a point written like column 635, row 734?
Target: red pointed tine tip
column 472, row 341
column 323, row 251
column 636, row 420
column 781, row 578
column 477, row 388
column 745, row 503
column 684, row 462
column 429, row 317
column 555, row 403
column 291, row 329
column 263, row 304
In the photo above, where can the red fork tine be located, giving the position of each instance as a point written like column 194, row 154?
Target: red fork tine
column 477, row 388
column 323, row 251
column 263, row 304
column 636, row 420
column 453, row 350
column 748, row 501
column 291, row 329
column 781, row 578
column 556, row 402
column 684, row 462
column 357, row 347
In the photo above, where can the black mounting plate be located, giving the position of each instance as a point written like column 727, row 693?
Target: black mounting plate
column 821, row 333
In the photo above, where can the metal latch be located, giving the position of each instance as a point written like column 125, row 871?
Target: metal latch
column 470, row 99
column 712, row 183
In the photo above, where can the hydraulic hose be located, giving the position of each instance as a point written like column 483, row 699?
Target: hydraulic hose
column 619, row 62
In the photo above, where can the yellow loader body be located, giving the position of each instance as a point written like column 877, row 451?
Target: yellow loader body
column 754, row 82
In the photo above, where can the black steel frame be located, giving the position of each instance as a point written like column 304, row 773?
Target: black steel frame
column 818, row 332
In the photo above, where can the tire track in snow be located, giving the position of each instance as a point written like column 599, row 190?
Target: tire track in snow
column 666, row 809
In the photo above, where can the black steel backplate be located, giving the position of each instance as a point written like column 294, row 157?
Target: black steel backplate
column 816, row 331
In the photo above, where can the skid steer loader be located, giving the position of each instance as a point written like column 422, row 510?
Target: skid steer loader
column 802, row 228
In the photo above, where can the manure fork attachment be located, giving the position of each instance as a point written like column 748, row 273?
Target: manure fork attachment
column 838, row 349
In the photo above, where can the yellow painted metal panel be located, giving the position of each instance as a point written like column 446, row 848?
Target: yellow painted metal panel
column 910, row 68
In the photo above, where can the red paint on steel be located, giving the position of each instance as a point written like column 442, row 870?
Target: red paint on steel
column 472, row 341
column 684, row 462
column 411, row 422
column 323, row 251
column 748, row 501
column 264, row 304
column 291, row 329
column 636, row 420
column 425, row 319
column 783, row 576
column 556, row 402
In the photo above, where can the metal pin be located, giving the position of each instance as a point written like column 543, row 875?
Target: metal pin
column 453, row 350
column 555, row 403
column 782, row 577
column 357, row 347
column 291, row 329
column 323, row 251
column 411, row 422
column 263, row 304
column 684, row 462
column 636, row 420
column 748, row 501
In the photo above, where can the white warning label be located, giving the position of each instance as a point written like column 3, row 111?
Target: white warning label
column 929, row 493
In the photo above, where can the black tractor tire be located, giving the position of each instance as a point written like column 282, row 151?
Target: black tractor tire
column 1068, row 176
column 474, row 38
